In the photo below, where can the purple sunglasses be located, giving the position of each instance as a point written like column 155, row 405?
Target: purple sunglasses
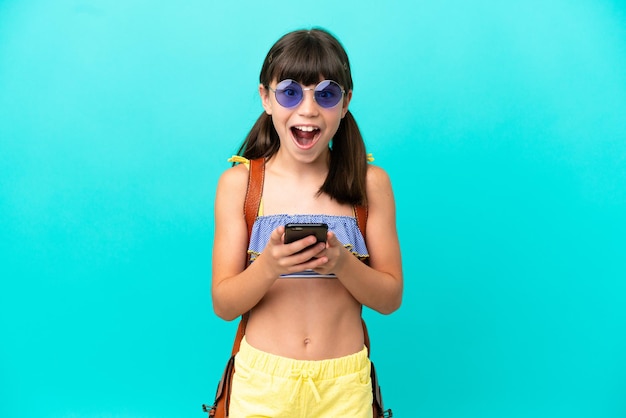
column 327, row 93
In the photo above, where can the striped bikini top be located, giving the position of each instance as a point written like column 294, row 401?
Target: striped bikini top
column 344, row 227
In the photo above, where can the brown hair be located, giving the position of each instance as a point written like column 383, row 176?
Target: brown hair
column 304, row 56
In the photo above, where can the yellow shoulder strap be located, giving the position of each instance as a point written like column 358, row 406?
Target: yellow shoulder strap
column 240, row 160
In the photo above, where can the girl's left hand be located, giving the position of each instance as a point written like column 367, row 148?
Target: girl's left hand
column 334, row 253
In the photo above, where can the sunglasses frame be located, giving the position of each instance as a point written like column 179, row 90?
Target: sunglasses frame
column 303, row 89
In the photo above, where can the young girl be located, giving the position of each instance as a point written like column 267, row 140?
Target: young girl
column 303, row 353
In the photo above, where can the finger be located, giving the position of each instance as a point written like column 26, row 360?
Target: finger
column 310, row 262
column 302, row 244
column 303, row 255
column 319, row 250
column 332, row 240
column 277, row 235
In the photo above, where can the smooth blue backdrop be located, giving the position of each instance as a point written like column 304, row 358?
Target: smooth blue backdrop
column 501, row 124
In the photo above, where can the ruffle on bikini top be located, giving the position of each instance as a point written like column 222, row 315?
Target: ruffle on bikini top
column 344, row 227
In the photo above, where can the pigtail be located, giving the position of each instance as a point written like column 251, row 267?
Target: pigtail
column 262, row 141
column 348, row 165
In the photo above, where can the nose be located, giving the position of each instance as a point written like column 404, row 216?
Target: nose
column 308, row 106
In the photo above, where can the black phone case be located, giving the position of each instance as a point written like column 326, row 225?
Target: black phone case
column 294, row 232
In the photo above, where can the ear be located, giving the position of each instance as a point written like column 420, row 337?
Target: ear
column 265, row 99
column 346, row 102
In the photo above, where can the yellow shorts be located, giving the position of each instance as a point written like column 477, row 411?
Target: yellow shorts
column 266, row 385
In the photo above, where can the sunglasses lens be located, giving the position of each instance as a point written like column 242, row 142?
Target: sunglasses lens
column 288, row 93
column 328, row 93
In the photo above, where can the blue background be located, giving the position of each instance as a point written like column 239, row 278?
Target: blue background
column 501, row 124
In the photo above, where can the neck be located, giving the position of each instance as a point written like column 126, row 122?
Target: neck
column 281, row 163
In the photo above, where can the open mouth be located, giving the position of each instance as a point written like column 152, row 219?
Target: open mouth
column 305, row 136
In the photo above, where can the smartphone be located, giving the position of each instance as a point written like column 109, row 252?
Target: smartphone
column 294, row 232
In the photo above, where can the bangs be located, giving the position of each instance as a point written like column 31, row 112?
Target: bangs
column 306, row 66
column 308, row 60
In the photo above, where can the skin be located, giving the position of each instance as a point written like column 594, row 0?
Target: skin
column 305, row 319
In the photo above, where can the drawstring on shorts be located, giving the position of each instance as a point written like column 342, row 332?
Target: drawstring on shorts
column 306, row 375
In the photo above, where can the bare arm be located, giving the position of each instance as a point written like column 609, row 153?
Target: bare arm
column 236, row 288
column 379, row 285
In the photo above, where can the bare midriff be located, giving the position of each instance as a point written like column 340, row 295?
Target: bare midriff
column 306, row 319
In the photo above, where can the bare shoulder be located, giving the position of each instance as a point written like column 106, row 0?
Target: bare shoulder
column 377, row 181
column 380, row 198
column 231, row 188
column 236, row 176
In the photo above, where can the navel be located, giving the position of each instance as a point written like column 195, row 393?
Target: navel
column 307, row 341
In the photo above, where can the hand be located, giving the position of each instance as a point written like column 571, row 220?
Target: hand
column 334, row 254
column 280, row 258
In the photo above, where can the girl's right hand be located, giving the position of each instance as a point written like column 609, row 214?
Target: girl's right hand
column 280, row 258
